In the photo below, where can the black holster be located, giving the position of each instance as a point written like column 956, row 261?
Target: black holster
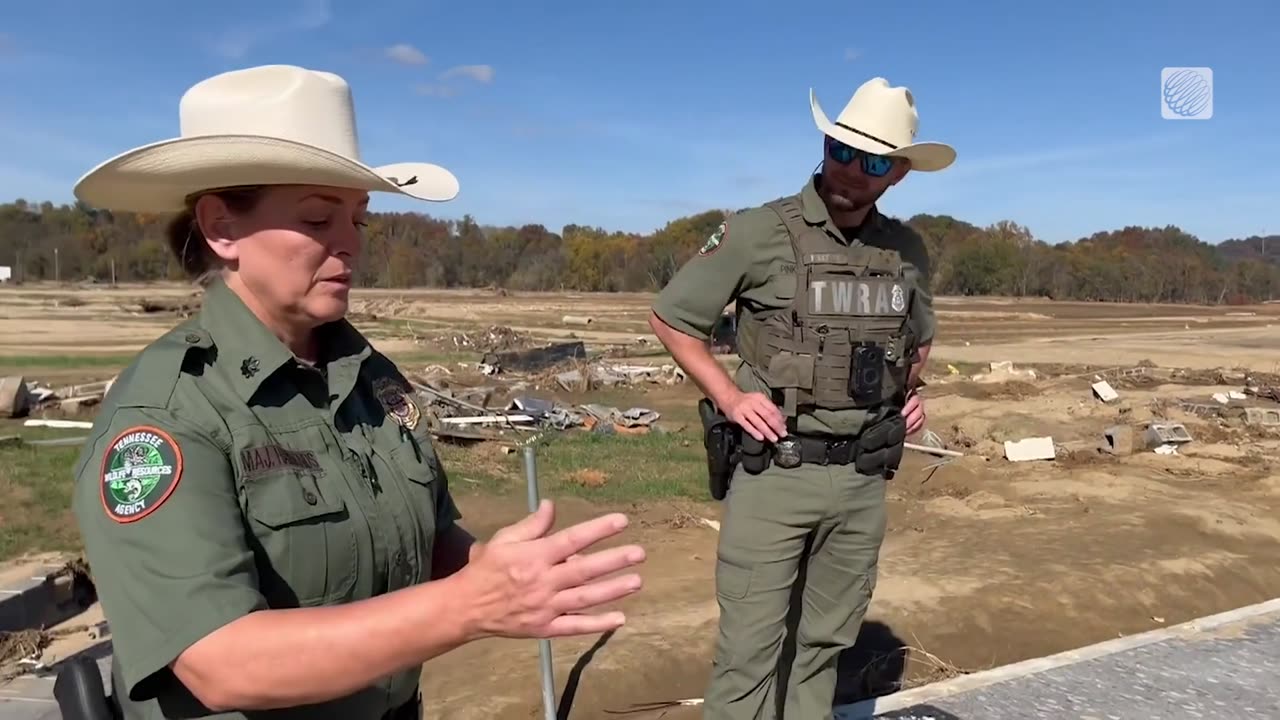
column 80, row 692
column 720, row 438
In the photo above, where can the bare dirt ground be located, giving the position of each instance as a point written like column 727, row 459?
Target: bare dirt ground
column 987, row 562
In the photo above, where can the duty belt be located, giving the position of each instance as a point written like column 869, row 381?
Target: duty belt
column 809, row 449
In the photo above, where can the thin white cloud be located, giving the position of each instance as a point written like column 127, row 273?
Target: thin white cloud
column 435, row 90
column 446, row 86
column 851, row 54
column 406, row 54
column 1062, row 155
column 314, row 15
column 308, row 15
column 479, row 73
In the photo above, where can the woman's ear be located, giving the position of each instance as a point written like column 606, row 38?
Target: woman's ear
column 217, row 224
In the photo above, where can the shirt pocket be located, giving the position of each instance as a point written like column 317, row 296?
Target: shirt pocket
column 416, row 460
column 307, row 535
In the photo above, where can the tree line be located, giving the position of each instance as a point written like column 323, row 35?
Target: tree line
column 44, row 241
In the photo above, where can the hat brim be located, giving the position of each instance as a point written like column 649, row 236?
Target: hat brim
column 924, row 156
column 158, row 177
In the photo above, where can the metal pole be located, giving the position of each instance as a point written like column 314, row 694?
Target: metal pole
column 544, row 645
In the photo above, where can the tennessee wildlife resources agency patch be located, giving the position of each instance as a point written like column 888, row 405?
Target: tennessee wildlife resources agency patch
column 714, row 241
column 140, row 469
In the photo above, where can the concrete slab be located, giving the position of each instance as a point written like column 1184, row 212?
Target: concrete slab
column 1222, row 667
column 35, row 594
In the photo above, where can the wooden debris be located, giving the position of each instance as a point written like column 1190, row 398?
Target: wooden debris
column 537, row 358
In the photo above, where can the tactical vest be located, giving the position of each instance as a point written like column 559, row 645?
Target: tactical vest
column 844, row 342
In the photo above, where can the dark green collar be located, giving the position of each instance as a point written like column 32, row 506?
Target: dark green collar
column 816, row 213
column 249, row 353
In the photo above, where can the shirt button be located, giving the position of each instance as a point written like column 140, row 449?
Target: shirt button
column 310, row 497
column 193, row 338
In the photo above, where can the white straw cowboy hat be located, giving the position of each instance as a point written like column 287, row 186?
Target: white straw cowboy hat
column 268, row 125
column 882, row 120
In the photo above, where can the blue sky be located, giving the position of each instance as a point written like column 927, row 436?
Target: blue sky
column 628, row 114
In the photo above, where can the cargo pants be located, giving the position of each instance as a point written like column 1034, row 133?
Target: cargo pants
column 828, row 516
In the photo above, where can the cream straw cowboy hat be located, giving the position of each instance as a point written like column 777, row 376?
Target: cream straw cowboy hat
column 882, row 120
column 268, row 125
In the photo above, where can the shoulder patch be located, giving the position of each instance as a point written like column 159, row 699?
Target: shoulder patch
column 397, row 400
column 140, row 470
column 717, row 238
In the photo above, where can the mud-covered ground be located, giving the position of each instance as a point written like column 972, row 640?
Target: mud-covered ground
column 986, row 562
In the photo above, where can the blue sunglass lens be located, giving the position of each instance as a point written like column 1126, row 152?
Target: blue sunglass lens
column 876, row 165
column 873, row 165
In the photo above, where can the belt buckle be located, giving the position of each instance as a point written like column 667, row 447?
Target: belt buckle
column 786, row 453
column 841, row 446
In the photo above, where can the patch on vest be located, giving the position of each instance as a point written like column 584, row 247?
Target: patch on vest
column 263, row 459
column 846, row 296
column 397, row 401
column 715, row 240
column 140, row 470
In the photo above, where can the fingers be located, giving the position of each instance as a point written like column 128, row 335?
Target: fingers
column 757, row 426
column 585, row 624
column 575, row 538
column 761, row 418
column 598, row 593
column 912, row 404
column 581, row 569
column 531, row 527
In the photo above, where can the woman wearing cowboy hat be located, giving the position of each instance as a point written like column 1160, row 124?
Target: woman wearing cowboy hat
column 267, row 521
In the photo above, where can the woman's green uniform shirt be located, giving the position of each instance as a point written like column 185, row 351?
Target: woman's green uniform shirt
column 222, row 476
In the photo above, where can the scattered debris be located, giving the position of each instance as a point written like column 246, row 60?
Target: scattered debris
column 59, row 424
column 532, row 360
column 598, row 376
column 1003, row 371
column 179, row 308
column 577, row 320
column 1166, row 434
column 1104, row 391
column 1118, row 440
column 931, row 450
column 15, row 397
column 497, row 338
column 1027, row 449
column 1266, row 417
column 22, row 398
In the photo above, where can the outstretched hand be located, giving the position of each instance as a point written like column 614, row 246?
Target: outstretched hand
column 524, row 583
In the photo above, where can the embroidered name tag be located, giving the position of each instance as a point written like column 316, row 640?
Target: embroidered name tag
column 264, row 459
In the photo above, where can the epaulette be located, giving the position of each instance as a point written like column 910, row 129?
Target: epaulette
column 150, row 379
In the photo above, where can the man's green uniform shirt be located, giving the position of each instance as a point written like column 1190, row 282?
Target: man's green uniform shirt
column 752, row 261
column 223, row 476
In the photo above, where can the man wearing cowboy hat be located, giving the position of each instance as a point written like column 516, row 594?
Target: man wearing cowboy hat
column 834, row 325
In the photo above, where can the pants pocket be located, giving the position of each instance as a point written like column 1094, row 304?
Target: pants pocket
column 733, row 581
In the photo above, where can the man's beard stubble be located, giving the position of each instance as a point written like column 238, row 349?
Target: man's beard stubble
column 840, row 201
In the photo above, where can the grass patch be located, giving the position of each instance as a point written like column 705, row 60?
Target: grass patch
column 411, row 360
column 36, row 484
column 36, row 481
column 62, row 362
column 605, row 468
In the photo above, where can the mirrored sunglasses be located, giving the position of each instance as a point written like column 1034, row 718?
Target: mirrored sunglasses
column 872, row 165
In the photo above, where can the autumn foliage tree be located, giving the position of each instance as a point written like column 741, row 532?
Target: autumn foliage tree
column 1132, row 264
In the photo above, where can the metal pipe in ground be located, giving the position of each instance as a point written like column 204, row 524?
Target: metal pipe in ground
column 544, row 645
